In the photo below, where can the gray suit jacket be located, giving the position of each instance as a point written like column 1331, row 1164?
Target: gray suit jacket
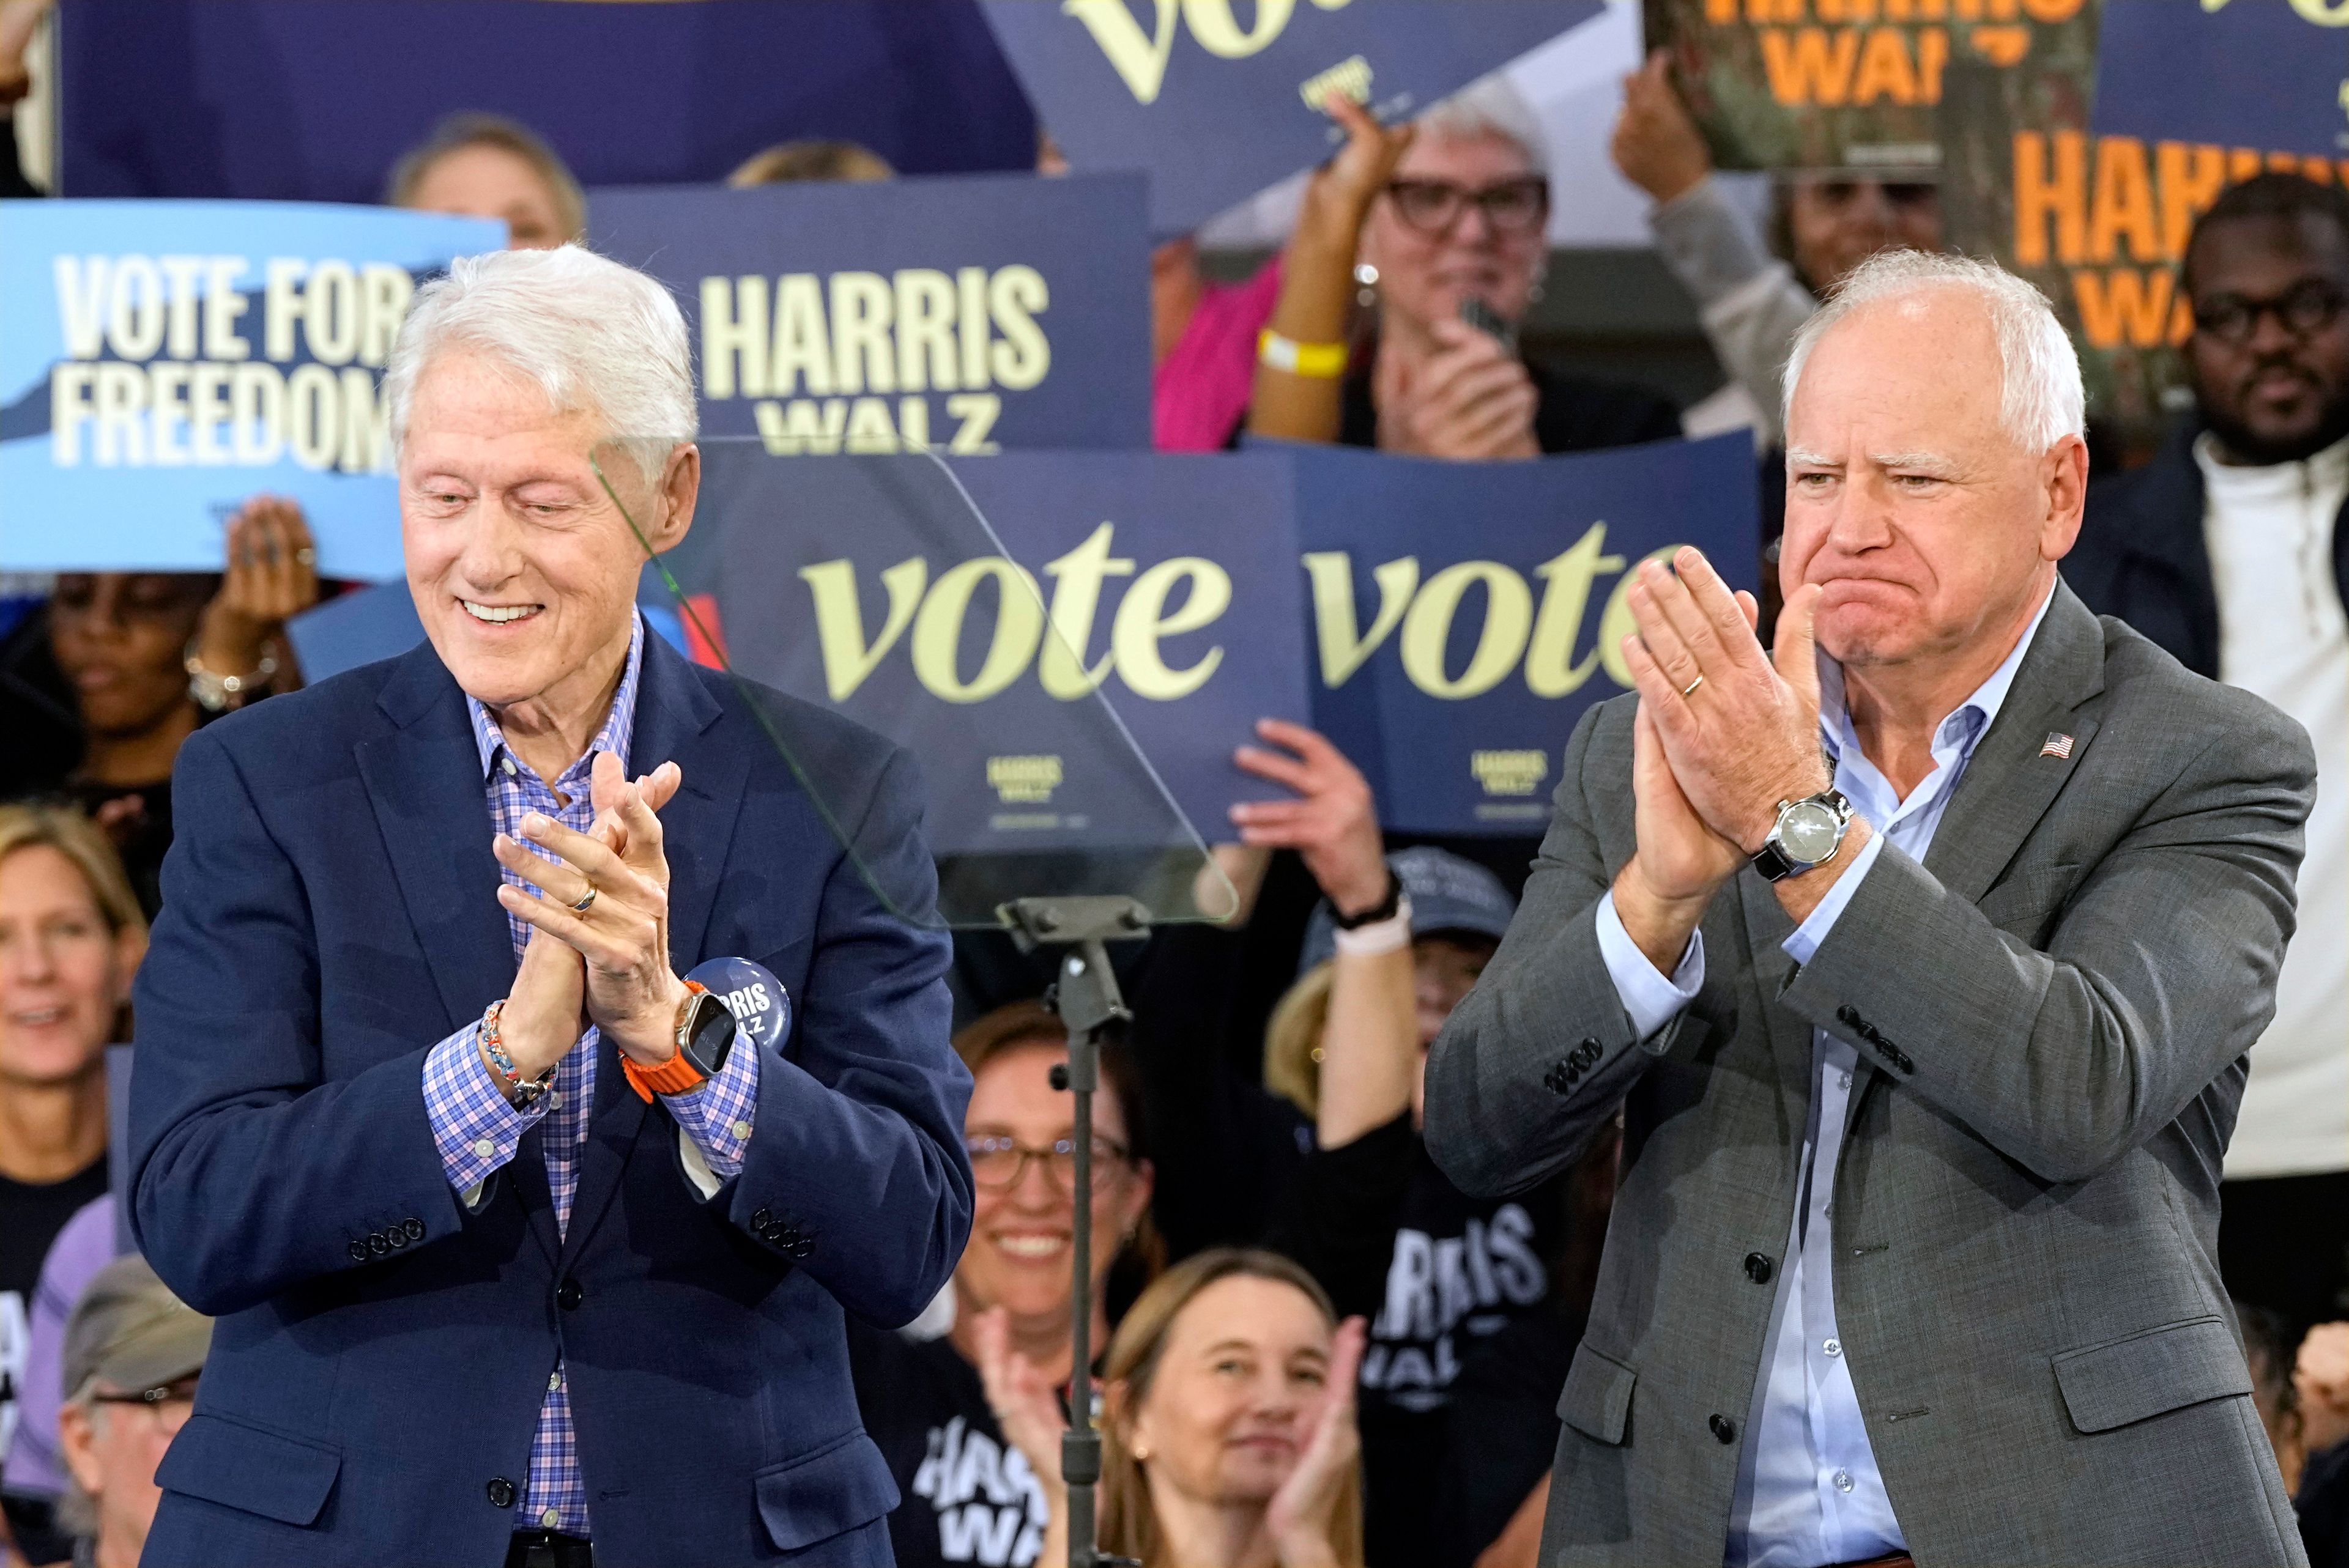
column 2051, row 1015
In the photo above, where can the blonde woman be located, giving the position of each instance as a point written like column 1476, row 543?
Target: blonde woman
column 1228, row 1436
column 71, row 935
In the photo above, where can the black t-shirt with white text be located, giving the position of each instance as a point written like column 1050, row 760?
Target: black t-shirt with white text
column 1436, row 1272
column 967, row 1494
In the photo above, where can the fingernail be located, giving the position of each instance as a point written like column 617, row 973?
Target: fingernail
column 534, row 823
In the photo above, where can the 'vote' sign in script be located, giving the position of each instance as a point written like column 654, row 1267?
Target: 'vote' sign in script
column 1467, row 613
column 968, row 314
column 1219, row 98
column 161, row 361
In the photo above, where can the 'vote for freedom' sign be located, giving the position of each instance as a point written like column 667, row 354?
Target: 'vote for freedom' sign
column 969, row 313
column 161, row 361
column 1218, row 98
column 1464, row 614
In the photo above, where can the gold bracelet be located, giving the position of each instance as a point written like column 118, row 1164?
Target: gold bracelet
column 1322, row 361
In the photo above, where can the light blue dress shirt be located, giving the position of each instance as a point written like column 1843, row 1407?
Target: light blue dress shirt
column 1808, row 1491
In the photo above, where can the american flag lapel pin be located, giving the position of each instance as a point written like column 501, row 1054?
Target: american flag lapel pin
column 2058, row 744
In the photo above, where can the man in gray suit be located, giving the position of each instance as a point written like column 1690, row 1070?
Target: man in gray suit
column 1922, row 964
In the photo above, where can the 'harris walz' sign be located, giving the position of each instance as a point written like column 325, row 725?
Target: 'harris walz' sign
column 1852, row 83
column 161, row 361
column 969, row 313
column 1464, row 614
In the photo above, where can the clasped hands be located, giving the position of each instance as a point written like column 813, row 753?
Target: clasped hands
column 1725, row 732
column 607, row 964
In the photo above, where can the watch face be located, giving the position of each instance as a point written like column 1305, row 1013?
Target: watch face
column 710, row 1034
column 1809, row 833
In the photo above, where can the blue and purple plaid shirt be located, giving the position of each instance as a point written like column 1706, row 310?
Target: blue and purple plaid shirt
column 477, row 1131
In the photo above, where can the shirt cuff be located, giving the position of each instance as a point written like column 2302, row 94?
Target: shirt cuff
column 1807, row 937
column 1707, row 243
column 717, row 1114
column 1651, row 998
column 474, row 1128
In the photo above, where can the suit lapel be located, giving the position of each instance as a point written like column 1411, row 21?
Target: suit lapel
column 424, row 782
column 677, row 720
column 1767, row 928
column 2013, row 779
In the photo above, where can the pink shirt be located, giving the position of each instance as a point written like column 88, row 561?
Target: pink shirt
column 1201, row 393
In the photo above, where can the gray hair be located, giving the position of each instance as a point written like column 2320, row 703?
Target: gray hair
column 591, row 334
column 2041, row 400
column 1490, row 106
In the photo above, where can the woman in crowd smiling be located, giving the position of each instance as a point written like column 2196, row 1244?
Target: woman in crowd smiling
column 968, row 1494
column 71, row 935
column 1228, row 1433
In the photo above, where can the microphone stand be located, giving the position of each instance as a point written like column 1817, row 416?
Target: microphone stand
column 1085, row 996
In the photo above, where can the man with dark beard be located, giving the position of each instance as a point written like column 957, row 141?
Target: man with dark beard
column 2228, row 551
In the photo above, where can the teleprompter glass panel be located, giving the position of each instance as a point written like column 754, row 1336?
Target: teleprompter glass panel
column 873, row 588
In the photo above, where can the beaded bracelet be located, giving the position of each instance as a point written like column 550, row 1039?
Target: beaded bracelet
column 524, row 1090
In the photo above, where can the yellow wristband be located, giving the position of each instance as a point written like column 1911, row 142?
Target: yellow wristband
column 1324, row 361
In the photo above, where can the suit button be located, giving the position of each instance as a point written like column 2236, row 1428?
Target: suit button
column 412, row 1228
column 502, row 1492
column 566, row 1296
column 761, row 1219
column 358, row 1251
column 395, row 1238
column 1724, row 1428
column 1757, row 1267
column 1848, row 1014
column 801, row 1248
column 1585, row 1054
column 376, row 1244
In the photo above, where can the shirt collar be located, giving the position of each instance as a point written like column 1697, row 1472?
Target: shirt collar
column 1965, row 724
column 619, row 724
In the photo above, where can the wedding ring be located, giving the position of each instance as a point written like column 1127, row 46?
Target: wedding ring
column 306, row 556
column 1692, row 686
column 585, row 899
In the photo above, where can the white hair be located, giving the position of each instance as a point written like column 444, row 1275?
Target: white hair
column 591, row 334
column 2041, row 400
column 1490, row 106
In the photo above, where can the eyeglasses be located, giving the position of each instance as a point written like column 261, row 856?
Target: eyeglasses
column 1512, row 207
column 171, row 1402
column 1903, row 193
column 2306, row 307
column 998, row 1159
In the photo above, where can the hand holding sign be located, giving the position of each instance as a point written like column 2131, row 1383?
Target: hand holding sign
column 271, row 575
column 1335, row 827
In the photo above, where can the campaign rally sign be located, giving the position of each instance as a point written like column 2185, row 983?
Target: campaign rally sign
column 1147, row 614
column 1217, row 109
column 1464, row 614
column 163, row 361
column 1852, row 83
column 969, row 313
column 2266, row 74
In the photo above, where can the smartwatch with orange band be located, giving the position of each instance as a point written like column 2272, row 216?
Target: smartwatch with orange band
column 705, row 1034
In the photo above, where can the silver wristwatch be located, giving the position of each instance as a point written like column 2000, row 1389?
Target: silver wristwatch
column 1807, row 833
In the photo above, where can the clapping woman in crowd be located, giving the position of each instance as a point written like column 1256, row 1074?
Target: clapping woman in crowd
column 1228, row 1437
column 964, row 1487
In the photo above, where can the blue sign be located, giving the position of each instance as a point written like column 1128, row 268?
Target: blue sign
column 756, row 998
column 1146, row 616
column 2264, row 73
column 1216, row 108
column 163, row 361
column 1465, row 614
column 296, row 101
column 970, row 314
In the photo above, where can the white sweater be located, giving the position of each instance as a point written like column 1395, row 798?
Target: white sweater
column 2283, row 634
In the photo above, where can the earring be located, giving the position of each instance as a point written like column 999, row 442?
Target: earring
column 1533, row 295
column 1141, row 1453
column 1367, row 277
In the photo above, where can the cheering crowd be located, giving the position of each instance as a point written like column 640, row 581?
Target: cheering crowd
column 1318, row 1349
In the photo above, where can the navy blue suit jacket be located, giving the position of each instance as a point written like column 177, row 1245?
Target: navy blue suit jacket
column 329, row 915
